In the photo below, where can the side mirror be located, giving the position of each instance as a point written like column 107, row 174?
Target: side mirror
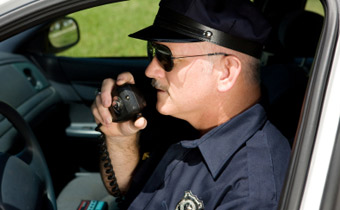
column 63, row 33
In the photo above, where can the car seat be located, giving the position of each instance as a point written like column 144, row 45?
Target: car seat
column 85, row 186
column 284, row 81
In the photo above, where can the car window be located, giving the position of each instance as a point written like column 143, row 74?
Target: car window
column 104, row 30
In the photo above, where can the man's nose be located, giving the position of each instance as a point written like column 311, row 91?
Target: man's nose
column 154, row 69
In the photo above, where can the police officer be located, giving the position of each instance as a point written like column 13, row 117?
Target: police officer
column 205, row 59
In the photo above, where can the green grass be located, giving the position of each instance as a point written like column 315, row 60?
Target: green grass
column 104, row 30
column 315, row 6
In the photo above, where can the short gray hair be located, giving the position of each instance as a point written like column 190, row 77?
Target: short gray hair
column 250, row 64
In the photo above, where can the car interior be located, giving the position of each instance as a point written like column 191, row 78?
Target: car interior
column 47, row 131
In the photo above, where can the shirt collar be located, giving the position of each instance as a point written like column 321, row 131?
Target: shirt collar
column 218, row 145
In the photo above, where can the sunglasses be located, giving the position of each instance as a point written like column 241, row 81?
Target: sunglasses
column 165, row 58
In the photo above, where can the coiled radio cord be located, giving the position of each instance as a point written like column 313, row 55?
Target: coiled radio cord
column 106, row 163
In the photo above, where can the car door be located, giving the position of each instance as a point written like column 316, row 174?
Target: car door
column 78, row 72
column 74, row 77
column 311, row 182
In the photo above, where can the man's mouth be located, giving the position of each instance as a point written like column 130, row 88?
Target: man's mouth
column 157, row 85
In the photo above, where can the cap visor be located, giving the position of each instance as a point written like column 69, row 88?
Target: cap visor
column 154, row 33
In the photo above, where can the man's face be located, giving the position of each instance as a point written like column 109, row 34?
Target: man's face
column 184, row 92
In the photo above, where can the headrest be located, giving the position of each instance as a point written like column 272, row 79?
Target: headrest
column 299, row 33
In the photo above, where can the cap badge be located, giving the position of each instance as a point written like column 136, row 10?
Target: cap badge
column 190, row 202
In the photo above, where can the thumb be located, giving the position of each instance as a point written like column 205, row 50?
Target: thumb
column 130, row 127
column 140, row 123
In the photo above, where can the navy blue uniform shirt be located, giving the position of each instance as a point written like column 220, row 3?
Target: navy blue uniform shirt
column 240, row 164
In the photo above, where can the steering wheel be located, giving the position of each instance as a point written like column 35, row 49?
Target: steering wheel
column 25, row 181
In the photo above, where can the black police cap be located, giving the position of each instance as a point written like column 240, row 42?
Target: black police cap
column 235, row 24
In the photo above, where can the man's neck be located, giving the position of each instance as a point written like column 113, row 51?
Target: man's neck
column 223, row 112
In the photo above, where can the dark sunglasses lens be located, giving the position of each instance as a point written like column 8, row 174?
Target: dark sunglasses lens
column 162, row 53
column 165, row 60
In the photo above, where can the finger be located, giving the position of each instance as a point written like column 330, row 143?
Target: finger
column 125, row 77
column 106, row 89
column 104, row 113
column 128, row 128
column 95, row 113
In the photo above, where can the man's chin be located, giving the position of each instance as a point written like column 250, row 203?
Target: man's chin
column 162, row 109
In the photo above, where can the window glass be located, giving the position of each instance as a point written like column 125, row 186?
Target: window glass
column 104, row 30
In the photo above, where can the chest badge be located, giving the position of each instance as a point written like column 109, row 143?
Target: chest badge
column 190, row 202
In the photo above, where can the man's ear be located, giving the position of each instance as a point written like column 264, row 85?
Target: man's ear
column 229, row 72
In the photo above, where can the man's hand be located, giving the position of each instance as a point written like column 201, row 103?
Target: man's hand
column 102, row 114
column 121, row 138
